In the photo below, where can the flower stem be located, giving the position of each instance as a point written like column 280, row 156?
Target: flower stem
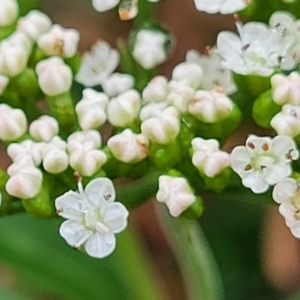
column 196, row 262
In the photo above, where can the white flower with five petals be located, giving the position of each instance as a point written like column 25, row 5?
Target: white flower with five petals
column 93, row 217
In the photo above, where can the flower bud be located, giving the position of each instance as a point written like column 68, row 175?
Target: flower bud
column 34, row 24
column 160, row 125
column 129, row 147
column 44, row 128
column 54, row 76
column 3, row 83
column 90, row 139
column 13, row 123
column 91, row 109
column 105, row 5
column 149, row 48
column 59, row 41
column 286, row 89
column 210, row 106
column 188, row 74
column 287, row 122
column 156, row 90
column 9, row 12
column 116, row 84
column 176, row 193
column 123, row 110
column 208, row 158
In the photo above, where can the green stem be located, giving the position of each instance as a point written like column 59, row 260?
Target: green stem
column 198, row 267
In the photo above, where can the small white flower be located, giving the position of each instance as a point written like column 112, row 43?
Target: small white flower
column 90, row 137
column 287, row 122
column 25, row 181
column 286, row 89
column 287, row 193
column 156, row 90
column 149, row 48
column 124, row 109
column 210, row 106
column 208, row 158
column 13, row 123
column 176, row 193
column 93, row 217
column 257, row 50
column 97, row 64
column 128, row 146
column 189, row 74
column 216, row 75
column 9, row 12
column 34, row 24
column 91, row 109
column 54, row 76
column 55, row 157
column 221, row 6
column 44, row 128
column 59, row 41
column 160, row 123
column 117, row 83
column 264, row 161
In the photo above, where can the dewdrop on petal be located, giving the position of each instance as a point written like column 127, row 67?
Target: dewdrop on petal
column 59, row 41
column 176, row 193
column 156, row 90
column 44, row 128
column 13, row 123
column 9, row 12
column 128, row 146
column 124, row 109
column 54, row 76
column 91, row 109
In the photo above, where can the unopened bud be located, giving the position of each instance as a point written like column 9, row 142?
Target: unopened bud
column 9, row 12
column 44, row 128
column 156, row 90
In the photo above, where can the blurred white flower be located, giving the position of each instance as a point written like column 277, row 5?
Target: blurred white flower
column 59, row 41
column 9, row 12
column 221, row 6
column 93, row 217
column 149, row 48
column 176, row 193
column 128, row 146
column 208, row 158
column 117, row 83
column 44, row 128
column 4, row 80
column 104, row 5
column 263, row 161
column 54, row 76
column 97, row 64
column 156, row 90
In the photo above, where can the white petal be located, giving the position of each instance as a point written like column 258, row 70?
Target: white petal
column 296, row 230
column 256, row 182
column 100, row 245
column 239, row 158
column 283, row 145
column 74, row 233
column 284, row 190
column 115, row 217
column 68, row 206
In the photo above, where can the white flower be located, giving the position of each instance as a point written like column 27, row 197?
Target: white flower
column 9, row 12
column 128, row 146
column 34, row 24
column 44, row 128
column 264, row 161
column 93, row 217
column 160, row 123
column 25, row 181
column 59, row 41
column 216, row 75
column 149, row 48
column 287, row 193
column 97, row 64
column 286, row 89
column 55, row 157
column 91, row 109
column 13, row 123
column 222, row 6
column 27, row 148
column 104, row 5
column 156, row 90
column 54, row 76
column 287, row 122
column 176, row 193
column 257, row 50
column 188, row 74
column 117, row 83
column 124, row 109
column 4, row 80
column 210, row 106
column 208, row 158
